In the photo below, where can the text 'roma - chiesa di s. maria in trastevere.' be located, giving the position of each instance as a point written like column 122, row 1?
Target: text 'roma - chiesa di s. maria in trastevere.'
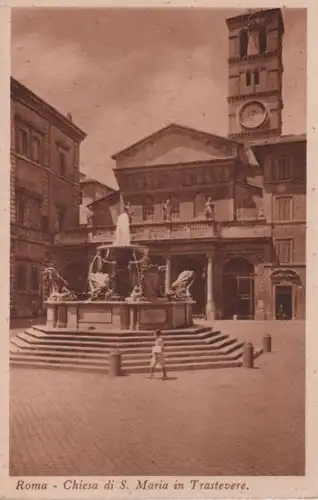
column 237, row 204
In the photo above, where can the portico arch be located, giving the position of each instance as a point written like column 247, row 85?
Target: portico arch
column 238, row 288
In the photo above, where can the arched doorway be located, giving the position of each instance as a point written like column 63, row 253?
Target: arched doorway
column 75, row 274
column 198, row 289
column 238, row 289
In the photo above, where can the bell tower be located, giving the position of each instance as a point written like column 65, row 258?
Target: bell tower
column 255, row 74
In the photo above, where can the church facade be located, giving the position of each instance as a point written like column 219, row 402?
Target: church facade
column 233, row 209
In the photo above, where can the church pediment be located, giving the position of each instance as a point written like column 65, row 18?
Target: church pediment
column 176, row 144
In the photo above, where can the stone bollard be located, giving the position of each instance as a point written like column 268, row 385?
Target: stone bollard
column 115, row 364
column 248, row 355
column 267, row 343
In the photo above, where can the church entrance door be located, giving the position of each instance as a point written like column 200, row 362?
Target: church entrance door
column 238, row 289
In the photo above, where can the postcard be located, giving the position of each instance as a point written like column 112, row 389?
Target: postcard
column 159, row 218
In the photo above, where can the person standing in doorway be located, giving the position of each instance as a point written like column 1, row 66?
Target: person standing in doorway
column 158, row 355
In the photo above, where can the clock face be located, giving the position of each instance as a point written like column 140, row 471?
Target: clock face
column 252, row 114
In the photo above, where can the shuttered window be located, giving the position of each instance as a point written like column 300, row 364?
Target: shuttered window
column 284, row 251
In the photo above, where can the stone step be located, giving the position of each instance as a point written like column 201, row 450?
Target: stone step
column 102, row 367
column 132, row 342
column 126, row 356
column 112, row 337
column 140, row 349
column 105, row 332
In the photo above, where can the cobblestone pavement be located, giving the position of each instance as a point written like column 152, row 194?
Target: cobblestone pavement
column 217, row 422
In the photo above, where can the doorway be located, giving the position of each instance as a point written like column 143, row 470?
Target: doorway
column 283, row 302
column 238, row 289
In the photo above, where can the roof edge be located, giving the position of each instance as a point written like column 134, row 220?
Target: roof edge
column 18, row 88
column 166, row 127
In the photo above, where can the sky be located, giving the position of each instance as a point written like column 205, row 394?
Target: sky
column 125, row 73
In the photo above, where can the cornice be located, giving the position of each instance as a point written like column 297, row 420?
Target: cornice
column 24, row 95
column 264, row 93
column 253, row 57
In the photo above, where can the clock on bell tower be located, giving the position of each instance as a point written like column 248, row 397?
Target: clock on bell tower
column 255, row 74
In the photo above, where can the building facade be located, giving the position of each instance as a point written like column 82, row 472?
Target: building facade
column 91, row 190
column 45, row 192
column 231, row 209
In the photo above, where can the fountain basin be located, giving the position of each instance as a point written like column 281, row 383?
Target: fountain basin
column 119, row 315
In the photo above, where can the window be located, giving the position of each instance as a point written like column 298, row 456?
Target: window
column 60, row 223
column 283, row 208
column 34, row 279
column 45, row 224
column 281, row 168
column 284, row 251
column 20, row 207
column 248, row 78
column 148, row 209
column 81, row 197
column 23, row 142
column 21, row 277
column 199, row 205
column 256, row 77
column 262, row 40
column 243, row 43
column 62, row 164
column 36, row 149
column 175, row 207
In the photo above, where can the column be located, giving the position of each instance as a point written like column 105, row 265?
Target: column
column 210, row 306
column 168, row 274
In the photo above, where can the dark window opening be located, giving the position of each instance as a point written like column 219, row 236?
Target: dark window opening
column 21, row 278
column 60, row 220
column 35, row 279
column 262, row 40
column 45, row 224
column 20, row 210
column 248, row 78
column 23, row 142
column 148, row 209
column 243, row 43
column 36, row 149
column 62, row 163
column 256, row 77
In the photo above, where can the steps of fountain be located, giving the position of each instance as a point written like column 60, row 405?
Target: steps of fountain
column 187, row 349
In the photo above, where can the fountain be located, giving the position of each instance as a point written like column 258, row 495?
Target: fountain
column 125, row 291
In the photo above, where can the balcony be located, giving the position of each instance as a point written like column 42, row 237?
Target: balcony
column 167, row 231
column 245, row 230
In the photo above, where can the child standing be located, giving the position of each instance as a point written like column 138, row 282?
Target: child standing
column 158, row 355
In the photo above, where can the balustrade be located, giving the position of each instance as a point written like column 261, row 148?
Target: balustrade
column 161, row 231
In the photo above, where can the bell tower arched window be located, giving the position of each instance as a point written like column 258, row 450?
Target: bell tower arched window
column 262, row 36
column 243, row 42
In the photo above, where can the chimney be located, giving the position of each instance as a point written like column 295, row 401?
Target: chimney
column 69, row 116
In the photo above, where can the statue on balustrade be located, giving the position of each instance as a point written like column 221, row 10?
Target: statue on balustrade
column 209, row 209
column 58, row 286
column 167, row 209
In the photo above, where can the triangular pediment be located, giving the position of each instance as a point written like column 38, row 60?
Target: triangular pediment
column 176, row 144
